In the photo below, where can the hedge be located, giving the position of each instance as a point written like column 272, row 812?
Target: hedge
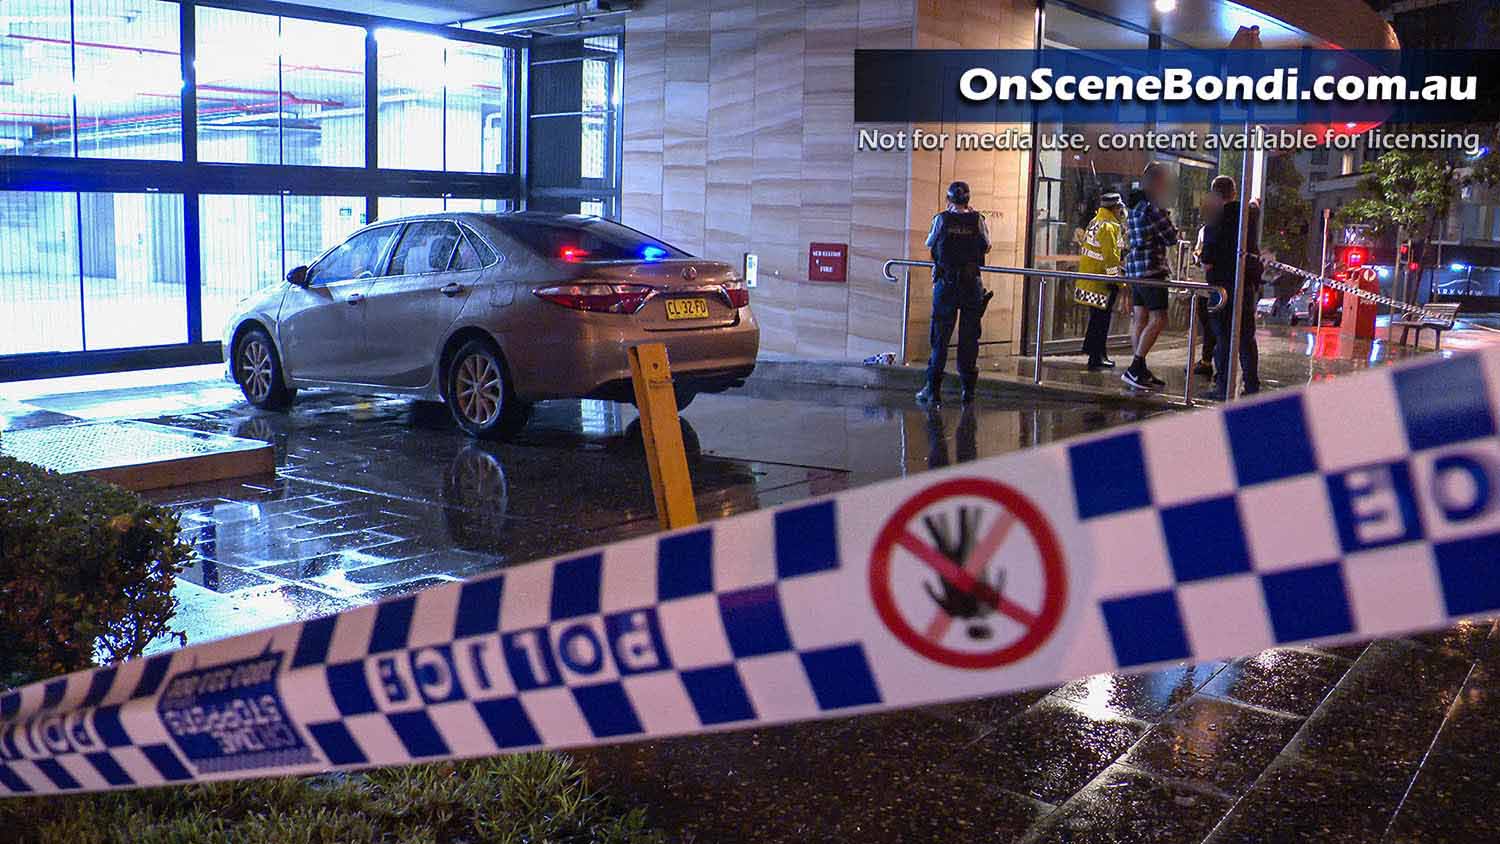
column 86, row 571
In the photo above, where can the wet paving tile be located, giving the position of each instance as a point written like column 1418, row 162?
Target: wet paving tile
column 985, row 714
column 1400, row 675
column 774, row 786
column 1471, row 729
column 1050, row 750
column 1376, row 739
column 1296, row 801
column 1125, row 806
column 1215, row 743
column 1451, row 801
column 1468, row 639
column 218, row 577
column 1285, row 679
column 1144, row 696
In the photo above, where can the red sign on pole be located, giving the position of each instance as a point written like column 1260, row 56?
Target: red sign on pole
column 827, row 261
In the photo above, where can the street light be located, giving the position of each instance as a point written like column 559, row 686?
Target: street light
column 1166, row 6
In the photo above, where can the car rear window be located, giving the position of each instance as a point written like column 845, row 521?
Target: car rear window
column 587, row 240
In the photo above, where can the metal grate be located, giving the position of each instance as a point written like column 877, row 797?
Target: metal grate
column 91, row 446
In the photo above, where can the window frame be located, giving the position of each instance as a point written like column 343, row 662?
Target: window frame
column 469, row 234
column 407, row 227
column 385, row 253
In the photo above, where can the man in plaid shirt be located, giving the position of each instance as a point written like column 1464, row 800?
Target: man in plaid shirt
column 1150, row 237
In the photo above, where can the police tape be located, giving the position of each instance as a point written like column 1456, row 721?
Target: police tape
column 1366, row 274
column 1361, row 507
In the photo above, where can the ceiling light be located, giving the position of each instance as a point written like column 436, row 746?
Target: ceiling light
column 1166, row 6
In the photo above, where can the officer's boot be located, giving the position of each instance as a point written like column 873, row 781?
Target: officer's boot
column 970, row 382
column 932, row 393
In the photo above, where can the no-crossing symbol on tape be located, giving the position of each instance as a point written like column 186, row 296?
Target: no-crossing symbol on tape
column 968, row 573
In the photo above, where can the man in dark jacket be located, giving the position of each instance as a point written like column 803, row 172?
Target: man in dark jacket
column 1220, row 246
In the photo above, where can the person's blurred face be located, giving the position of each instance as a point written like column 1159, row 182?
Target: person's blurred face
column 1161, row 187
column 1212, row 204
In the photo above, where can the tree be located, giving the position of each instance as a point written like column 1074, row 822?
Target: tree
column 1287, row 214
column 1284, row 213
column 1408, row 193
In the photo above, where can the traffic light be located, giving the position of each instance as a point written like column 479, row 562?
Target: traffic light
column 1404, row 250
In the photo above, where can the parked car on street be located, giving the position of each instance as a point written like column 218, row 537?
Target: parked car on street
column 1297, row 309
column 491, row 313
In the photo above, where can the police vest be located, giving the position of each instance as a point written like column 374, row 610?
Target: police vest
column 959, row 241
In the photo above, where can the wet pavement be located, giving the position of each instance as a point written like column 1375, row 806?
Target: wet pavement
column 1385, row 741
column 374, row 497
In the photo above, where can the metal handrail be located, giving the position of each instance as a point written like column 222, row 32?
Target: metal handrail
column 1194, row 288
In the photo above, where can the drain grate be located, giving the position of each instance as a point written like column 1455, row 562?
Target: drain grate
column 109, row 448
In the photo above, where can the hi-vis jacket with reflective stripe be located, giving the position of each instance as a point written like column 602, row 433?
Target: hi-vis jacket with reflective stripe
column 1100, row 254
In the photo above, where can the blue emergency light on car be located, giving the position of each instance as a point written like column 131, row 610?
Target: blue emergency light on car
column 652, row 253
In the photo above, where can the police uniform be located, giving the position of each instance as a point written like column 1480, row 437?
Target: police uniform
column 959, row 241
column 1099, row 254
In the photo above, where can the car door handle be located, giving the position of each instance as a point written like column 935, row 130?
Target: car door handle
column 355, row 298
column 451, row 289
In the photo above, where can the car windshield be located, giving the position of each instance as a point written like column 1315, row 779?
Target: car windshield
column 586, row 239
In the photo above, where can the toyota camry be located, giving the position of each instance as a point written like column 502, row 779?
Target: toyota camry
column 490, row 313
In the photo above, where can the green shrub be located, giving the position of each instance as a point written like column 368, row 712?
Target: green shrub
column 85, row 567
column 536, row 798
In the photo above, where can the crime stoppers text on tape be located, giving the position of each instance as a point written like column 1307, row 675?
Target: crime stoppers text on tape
column 1360, row 507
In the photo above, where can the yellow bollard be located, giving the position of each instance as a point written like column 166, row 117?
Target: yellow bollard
column 661, row 431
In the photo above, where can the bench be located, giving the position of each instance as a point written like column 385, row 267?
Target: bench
column 1439, row 318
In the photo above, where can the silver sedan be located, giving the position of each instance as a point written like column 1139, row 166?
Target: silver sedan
column 491, row 313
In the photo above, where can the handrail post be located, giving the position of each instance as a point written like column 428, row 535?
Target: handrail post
column 1187, row 389
column 1041, row 315
column 1231, row 371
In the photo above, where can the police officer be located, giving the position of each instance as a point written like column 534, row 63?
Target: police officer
column 959, row 240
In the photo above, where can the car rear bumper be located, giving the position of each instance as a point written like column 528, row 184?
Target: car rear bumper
column 702, row 381
column 590, row 358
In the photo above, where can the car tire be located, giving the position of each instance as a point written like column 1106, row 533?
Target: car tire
column 685, row 398
column 257, row 369
column 479, row 393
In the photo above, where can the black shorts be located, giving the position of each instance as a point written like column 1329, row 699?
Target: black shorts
column 1150, row 298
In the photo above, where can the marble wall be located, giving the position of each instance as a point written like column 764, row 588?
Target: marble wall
column 739, row 136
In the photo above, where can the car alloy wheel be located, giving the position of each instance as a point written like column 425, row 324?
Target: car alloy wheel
column 479, row 394
column 480, row 389
column 256, row 369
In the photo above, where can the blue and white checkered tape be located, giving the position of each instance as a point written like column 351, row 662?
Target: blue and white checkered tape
column 1362, row 506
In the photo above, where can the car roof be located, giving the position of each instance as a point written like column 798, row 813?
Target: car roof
column 495, row 216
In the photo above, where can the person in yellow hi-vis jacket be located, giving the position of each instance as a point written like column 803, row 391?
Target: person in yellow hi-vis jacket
column 1100, row 255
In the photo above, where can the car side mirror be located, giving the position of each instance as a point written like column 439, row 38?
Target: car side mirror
column 298, row 276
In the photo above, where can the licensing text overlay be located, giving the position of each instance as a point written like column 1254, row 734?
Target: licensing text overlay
column 1095, row 138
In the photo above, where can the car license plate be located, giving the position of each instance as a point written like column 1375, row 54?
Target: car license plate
column 687, row 309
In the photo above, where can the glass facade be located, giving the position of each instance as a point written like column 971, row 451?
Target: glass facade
column 91, row 271
column 574, row 115
column 1068, row 185
column 250, row 241
column 258, row 139
column 444, row 105
column 279, row 90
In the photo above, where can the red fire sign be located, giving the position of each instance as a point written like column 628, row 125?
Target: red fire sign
column 827, row 261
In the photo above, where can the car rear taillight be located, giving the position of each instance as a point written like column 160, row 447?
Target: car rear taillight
column 739, row 295
column 1328, row 298
column 598, row 297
